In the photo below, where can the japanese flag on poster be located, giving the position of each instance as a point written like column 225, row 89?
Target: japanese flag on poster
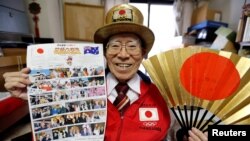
column 67, row 95
column 148, row 114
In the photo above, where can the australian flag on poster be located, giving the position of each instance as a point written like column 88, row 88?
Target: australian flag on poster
column 91, row 50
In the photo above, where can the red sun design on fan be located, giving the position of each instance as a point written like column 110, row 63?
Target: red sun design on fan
column 148, row 114
column 121, row 12
column 209, row 76
column 40, row 51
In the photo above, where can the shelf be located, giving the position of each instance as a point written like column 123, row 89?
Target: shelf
column 12, row 61
column 244, row 43
column 244, row 49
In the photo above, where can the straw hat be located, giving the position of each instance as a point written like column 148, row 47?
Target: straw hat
column 125, row 18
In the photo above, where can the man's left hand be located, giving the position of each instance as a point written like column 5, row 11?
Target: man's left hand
column 197, row 135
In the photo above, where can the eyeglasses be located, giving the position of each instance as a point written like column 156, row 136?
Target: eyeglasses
column 132, row 47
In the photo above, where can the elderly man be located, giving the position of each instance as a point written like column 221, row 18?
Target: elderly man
column 136, row 109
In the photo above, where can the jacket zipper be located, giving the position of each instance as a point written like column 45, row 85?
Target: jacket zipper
column 120, row 129
column 122, row 118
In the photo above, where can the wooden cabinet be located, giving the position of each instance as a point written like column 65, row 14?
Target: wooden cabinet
column 14, row 59
column 81, row 21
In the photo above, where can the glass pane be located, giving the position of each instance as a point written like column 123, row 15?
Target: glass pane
column 143, row 7
column 163, row 25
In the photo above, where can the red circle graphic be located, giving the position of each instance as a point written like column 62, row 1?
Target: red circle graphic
column 148, row 114
column 40, row 51
column 209, row 76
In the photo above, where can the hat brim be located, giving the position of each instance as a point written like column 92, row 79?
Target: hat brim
column 146, row 35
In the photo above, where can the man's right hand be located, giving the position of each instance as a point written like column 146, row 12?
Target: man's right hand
column 16, row 83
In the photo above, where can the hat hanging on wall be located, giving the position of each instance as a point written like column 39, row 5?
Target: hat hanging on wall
column 203, row 86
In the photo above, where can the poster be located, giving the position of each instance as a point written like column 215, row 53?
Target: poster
column 67, row 97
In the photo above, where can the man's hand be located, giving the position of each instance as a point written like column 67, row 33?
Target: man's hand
column 197, row 135
column 16, row 83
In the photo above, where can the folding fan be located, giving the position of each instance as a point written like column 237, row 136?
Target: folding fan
column 203, row 86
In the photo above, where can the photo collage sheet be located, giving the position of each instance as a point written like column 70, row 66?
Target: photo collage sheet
column 67, row 97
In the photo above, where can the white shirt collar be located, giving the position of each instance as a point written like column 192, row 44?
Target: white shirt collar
column 134, row 85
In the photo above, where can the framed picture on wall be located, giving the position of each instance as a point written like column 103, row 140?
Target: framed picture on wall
column 81, row 21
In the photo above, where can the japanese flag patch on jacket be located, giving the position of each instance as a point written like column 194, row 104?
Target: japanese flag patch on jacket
column 148, row 114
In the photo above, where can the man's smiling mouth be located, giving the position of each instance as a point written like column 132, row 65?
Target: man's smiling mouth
column 123, row 65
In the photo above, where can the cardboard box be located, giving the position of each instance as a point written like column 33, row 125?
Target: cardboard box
column 222, row 43
column 226, row 32
column 203, row 13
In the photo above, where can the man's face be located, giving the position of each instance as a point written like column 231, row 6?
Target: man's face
column 124, row 55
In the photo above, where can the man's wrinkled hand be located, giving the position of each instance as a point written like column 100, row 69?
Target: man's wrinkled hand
column 16, row 83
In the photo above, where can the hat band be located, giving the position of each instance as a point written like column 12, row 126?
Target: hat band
column 122, row 20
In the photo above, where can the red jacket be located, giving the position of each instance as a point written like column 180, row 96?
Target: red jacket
column 147, row 119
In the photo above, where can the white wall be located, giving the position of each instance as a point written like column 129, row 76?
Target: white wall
column 231, row 11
